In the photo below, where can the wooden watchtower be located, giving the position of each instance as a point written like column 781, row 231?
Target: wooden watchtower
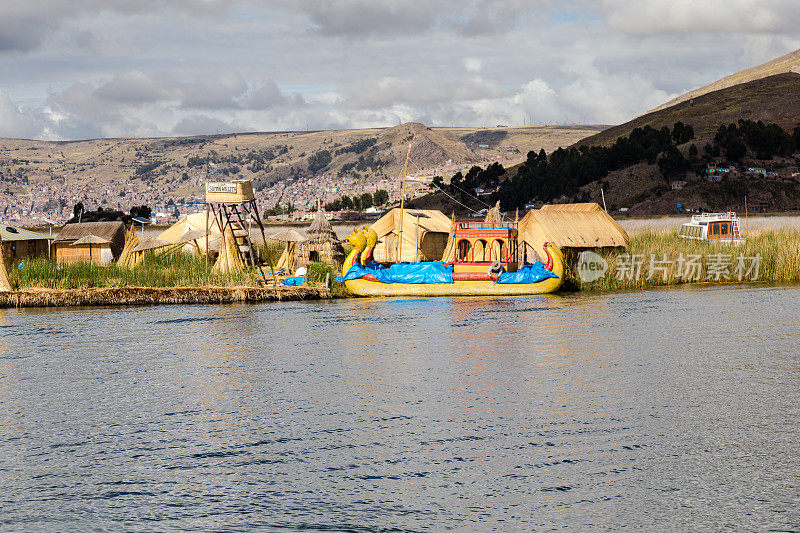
column 231, row 204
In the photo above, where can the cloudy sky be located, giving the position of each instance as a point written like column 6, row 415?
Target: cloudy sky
column 78, row 69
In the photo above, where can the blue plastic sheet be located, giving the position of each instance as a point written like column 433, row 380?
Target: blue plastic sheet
column 294, row 280
column 425, row 272
column 527, row 273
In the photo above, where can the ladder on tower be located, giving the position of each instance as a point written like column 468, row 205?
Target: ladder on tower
column 234, row 215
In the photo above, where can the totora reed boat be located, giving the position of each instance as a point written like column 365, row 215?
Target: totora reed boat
column 485, row 262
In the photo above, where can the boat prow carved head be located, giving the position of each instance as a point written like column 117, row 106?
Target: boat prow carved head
column 357, row 240
column 371, row 237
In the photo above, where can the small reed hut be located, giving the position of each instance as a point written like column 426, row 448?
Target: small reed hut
column 190, row 233
column 94, row 242
column 572, row 227
column 321, row 243
column 20, row 244
column 291, row 237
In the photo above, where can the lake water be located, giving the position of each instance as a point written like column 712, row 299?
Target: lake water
column 668, row 410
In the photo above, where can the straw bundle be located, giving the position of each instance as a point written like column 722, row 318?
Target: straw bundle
column 493, row 215
column 129, row 259
column 229, row 259
column 449, row 254
column 5, row 283
column 287, row 260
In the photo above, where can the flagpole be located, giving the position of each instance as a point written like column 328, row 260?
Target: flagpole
column 402, row 205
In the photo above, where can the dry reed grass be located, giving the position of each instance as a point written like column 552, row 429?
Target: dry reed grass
column 156, row 270
column 779, row 253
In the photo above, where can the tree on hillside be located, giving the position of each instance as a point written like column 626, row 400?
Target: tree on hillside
column 380, row 197
column 734, row 147
column 318, row 161
column 335, row 205
column 366, row 200
column 672, row 163
column 682, row 133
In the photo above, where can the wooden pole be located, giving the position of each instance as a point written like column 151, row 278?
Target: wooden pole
column 399, row 259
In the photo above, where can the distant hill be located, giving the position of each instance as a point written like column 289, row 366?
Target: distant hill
column 774, row 99
column 784, row 64
column 46, row 178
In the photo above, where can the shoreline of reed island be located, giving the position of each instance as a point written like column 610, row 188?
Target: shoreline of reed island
column 160, row 279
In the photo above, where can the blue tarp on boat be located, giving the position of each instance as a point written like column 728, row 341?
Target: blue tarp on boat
column 425, row 272
column 438, row 272
column 294, row 280
column 527, row 273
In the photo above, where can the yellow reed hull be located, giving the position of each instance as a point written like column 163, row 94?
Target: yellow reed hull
column 361, row 287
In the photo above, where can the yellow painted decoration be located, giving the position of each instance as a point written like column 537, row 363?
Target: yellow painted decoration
column 371, row 240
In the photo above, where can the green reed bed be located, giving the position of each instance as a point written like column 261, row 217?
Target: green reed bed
column 171, row 270
column 662, row 258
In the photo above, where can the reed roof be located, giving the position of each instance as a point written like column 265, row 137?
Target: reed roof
column 586, row 206
column 187, row 223
column 287, row 235
column 430, row 220
column 320, row 226
column 575, row 226
column 14, row 233
column 108, row 230
column 150, row 243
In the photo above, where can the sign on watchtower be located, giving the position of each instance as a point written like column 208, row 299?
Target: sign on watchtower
column 234, row 206
column 230, row 192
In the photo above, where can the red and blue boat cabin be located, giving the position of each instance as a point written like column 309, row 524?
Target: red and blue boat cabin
column 479, row 244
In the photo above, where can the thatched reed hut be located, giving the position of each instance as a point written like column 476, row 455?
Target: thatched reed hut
column 321, row 243
column 424, row 236
column 92, row 242
column 572, row 227
column 190, row 233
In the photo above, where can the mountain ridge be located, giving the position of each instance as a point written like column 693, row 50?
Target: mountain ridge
column 788, row 63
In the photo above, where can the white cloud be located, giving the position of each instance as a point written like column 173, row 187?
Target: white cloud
column 473, row 64
column 96, row 68
column 17, row 122
column 637, row 17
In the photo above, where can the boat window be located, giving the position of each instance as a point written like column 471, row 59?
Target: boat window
column 463, row 250
column 723, row 229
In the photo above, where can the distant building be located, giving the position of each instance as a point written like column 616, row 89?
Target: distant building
column 755, row 171
column 677, row 185
column 92, row 242
column 715, row 174
column 20, row 244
